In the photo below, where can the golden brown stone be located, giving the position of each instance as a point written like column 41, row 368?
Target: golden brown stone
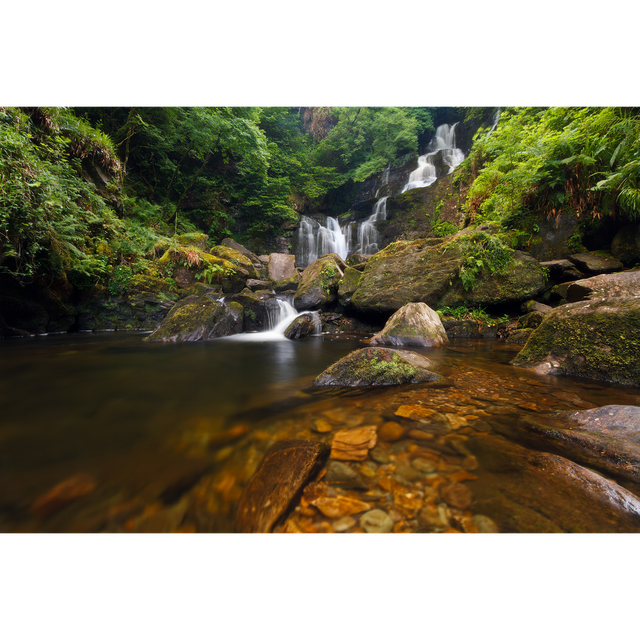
column 390, row 432
column 322, row 426
column 414, row 412
column 225, row 437
column 416, row 434
column 456, row 421
column 340, row 506
column 353, row 444
column 456, row 495
column 461, row 476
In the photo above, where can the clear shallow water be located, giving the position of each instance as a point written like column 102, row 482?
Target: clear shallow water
column 139, row 418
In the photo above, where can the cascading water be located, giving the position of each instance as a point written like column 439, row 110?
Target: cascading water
column 368, row 237
column 280, row 314
column 315, row 239
column 444, row 142
column 318, row 237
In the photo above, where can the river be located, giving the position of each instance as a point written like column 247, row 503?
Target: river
column 163, row 437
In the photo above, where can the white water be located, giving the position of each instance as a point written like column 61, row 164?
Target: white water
column 368, row 237
column 444, row 141
column 280, row 317
column 315, row 240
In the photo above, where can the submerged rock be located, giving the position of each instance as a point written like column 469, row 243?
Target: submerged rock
column 533, row 492
column 286, row 468
column 597, row 339
column 414, row 324
column 199, row 318
column 375, row 366
column 606, row 438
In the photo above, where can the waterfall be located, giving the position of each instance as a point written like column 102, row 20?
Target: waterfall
column 444, row 142
column 494, row 124
column 368, row 237
column 385, row 179
column 315, row 239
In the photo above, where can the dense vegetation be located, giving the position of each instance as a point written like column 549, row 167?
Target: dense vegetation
column 95, row 194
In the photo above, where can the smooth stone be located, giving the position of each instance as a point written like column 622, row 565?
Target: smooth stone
column 390, row 432
column 342, row 475
column 286, row 467
column 339, row 506
column 485, row 524
column 456, row 495
column 424, row 465
column 379, row 454
column 414, row 324
column 376, row 521
column 343, row 524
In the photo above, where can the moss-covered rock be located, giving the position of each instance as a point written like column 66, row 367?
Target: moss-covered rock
column 597, row 339
column 348, row 285
column 414, row 324
column 375, row 367
column 429, row 271
column 199, row 318
column 305, row 325
column 319, row 283
column 241, row 263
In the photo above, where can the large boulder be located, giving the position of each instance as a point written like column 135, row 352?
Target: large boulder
column 260, row 307
column 199, row 318
column 606, row 438
column 281, row 271
column 286, row 468
column 415, row 324
column 348, row 285
column 526, row 491
column 597, row 339
column 376, row 367
column 304, row 325
column 319, row 283
column 611, row 285
column 427, row 270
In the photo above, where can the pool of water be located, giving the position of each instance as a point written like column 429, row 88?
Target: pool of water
column 145, row 426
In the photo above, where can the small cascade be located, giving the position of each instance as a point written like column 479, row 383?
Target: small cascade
column 280, row 314
column 385, row 179
column 494, row 124
column 444, row 142
column 368, row 237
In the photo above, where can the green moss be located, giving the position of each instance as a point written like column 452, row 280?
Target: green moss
column 599, row 340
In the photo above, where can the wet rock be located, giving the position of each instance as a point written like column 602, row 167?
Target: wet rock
column 456, row 495
column 160, row 520
column 519, row 336
column 605, row 438
column 376, row 521
column 414, row 324
column 287, row 466
column 63, row 494
column 430, row 517
column 425, row 465
column 531, row 320
column 339, row 506
column 343, row 524
column 530, row 491
column 321, row 426
column 484, row 524
column 375, row 366
column 259, row 285
column 597, row 339
column 307, row 324
column 353, row 444
column 600, row 262
column 380, row 455
column 414, row 412
column 343, row 476
column 199, row 318
column 390, row 432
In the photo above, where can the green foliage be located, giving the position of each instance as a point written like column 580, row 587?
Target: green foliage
column 444, row 228
column 120, row 280
column 581, row 160
column 211, row 273
column 484, row 253
column 463, row 312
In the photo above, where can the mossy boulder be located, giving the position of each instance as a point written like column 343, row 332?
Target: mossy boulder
column 597, row 339
column 428, row 270
column 241, row 263
column 199, row 318
column 415, row 324
column 257, row 307
column 320, row 282
column 376, row 367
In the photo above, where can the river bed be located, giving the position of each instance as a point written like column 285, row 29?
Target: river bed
column 107, row 433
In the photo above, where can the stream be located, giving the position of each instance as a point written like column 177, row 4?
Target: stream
column 163, row 437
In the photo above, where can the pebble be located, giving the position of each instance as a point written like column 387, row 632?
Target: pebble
column 417, row 434
column 390, row 432
column 321, row 426
column 457, row 495
column 424, row 465
column 343, row 524
column 344, row 476
column 339, row 506
column 376, row 521
column 429, row 516
column 456, row 421
column 407, row 472
column 379, row 454
column 414, row 412
column 485, row 524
